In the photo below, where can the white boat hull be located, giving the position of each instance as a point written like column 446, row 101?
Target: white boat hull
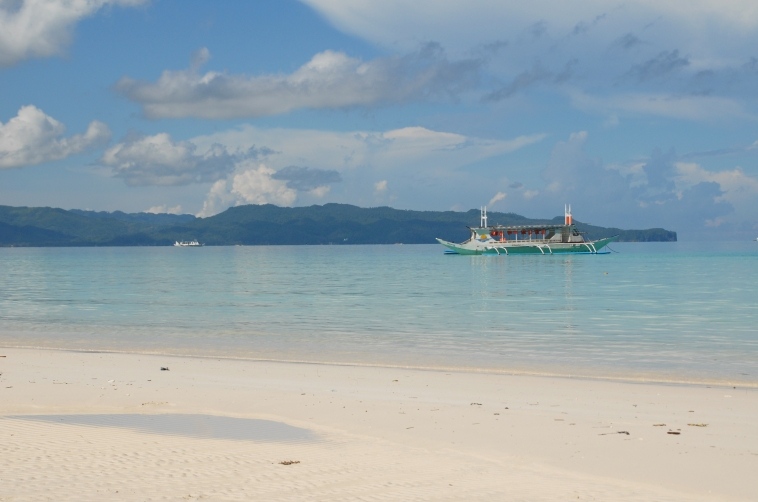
column 493, row 247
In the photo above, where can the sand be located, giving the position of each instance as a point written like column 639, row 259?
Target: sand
column 105, row 426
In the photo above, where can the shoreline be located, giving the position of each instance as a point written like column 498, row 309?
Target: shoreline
column 642, row 378
column 91, row 424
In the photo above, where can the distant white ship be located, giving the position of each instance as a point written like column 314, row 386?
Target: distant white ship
column 187, row 244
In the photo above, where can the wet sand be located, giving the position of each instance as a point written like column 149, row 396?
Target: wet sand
column 85, row 426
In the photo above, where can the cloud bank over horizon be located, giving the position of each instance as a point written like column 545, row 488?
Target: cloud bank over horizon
column 336, row 157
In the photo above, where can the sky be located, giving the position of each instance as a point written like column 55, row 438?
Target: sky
column 638, row 113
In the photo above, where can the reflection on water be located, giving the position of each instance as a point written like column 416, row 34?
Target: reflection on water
column 199, row 426
column 661, row 310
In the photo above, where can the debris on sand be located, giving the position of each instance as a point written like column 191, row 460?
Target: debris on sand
column 289, row 462
column 164, row 368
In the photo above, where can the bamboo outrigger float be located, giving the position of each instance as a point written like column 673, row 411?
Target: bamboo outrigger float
column 526, row 239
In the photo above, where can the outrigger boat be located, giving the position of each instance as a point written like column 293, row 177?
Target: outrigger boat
column 526, row 239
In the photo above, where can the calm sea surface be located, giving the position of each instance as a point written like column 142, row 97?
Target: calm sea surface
column 662, row 311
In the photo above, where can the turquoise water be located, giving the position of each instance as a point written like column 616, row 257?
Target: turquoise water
column 661, row 311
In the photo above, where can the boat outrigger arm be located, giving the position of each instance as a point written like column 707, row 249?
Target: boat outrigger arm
column 526, row 239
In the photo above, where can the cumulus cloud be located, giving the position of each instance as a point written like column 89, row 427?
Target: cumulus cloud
column 41, row 28
column 422, row 158
column 251, row 183
column 320, row 192
column 659, row 191
column 737, row 187
column 32, row 137
column 681, row 193
column 330, row 80
column 306, row 179
column 165, row 209
column 159, row 160
column 415, row 157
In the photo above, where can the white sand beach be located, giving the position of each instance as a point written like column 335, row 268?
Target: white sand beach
column 107, row 426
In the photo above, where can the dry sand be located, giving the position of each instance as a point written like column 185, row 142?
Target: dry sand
column 103, row 426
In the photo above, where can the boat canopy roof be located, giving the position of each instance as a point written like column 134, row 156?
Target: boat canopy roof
column 526, row 227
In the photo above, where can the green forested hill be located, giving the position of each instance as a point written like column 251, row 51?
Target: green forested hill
column 264, row 224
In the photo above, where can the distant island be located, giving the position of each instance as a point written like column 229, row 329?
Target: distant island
column 266, row 225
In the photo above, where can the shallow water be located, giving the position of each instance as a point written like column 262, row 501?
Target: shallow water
column 662, row 311
column 191, row 425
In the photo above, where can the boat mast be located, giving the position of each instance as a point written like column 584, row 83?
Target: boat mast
column 483, row 217
column 567, row 214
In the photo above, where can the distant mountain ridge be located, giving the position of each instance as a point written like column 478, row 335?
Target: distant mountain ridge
column 266, row 225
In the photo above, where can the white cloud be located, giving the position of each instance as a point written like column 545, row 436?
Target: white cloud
column 633, row 171
column 320, row 191
column 380, row 186
column 329, row 80
column 657, row 192
column 40, row 28
column 165, row 209
column 689, row 59
column 393, row 22
column 159, row 160
column 413, row 148
column 32, row 137
column 251, row 183
column 496, row 198
column 422, row 157
column 739, row 189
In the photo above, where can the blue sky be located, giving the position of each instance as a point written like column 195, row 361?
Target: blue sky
column 638, row 113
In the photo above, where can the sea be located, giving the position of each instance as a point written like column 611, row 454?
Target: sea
column 680, row 312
